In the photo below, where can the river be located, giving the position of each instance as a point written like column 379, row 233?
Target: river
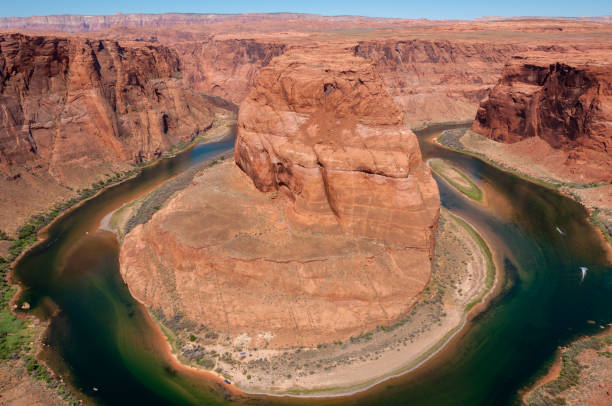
column 104, row 343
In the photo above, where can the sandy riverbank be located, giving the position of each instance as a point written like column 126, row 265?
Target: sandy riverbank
column 581, row 374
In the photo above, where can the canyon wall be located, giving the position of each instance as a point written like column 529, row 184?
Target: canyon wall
column 322, row 230
column 437, row 80
column 569, row 107
column 73, row 110
column 226, row 68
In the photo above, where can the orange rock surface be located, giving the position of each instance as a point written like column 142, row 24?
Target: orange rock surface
column 437, row 80
column 72, row 110
column 327, row 233
column 568, row 106
column 320, row 129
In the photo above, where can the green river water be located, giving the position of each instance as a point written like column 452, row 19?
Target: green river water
column 100, row 337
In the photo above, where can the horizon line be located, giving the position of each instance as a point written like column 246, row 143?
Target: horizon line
column 524, row 17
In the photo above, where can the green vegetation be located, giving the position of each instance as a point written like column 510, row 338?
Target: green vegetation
column 571, row 369
column 598, row 218
column 14, row 334
column 451, row 139
column 206, row 363
column 457, row 179
column 490, row 279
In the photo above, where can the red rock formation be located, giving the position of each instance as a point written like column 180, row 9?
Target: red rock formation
column 72, row 110
column 340, row 242
column 440, row 77
column 320, row 128
column 570, row 107
column 226, row 68
column 437, row 80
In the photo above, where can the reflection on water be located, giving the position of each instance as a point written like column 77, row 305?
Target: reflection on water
column 106, row 339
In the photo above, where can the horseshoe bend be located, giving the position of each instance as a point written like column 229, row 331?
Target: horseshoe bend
column 321, row 230
column 213, row 209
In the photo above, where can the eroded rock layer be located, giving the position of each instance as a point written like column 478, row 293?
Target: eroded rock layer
column 569, row 107
column 72, row 110
column 437, row 80
column 327, row 232
column 226, row 68
column 320, row 129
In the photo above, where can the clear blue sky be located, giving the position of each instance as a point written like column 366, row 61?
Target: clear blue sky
column 433, row 9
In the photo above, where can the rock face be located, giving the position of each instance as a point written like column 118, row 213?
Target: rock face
column 569, row 107
column 72, row 110
column 437, row 80
column 226, row 68
column 322, row 130
column 326, row 234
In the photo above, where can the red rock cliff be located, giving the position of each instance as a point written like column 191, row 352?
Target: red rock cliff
column 570, row 107
column 74, row 109
column 437, row 80
column 320, row 129
column 226, row 68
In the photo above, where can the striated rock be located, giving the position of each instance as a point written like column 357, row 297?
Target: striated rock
column 569, row 107
column 437, row 80
column 74, row 109
column 226, row 68
column 321, row 129
column 441, row 76
column 335, row 238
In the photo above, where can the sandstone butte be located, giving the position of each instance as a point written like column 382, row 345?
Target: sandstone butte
column 74, row 109
column 326, row 230
column 567, row 106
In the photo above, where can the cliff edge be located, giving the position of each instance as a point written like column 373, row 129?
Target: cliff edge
column 569, row 107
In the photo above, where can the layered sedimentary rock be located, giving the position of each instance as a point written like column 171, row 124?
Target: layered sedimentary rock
column 226, row 68
column 441, row 76
column 437, row 80
column 258, row 22
column 324, row 229
column 569, row 107
column 323, row 131
column 72, row 110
